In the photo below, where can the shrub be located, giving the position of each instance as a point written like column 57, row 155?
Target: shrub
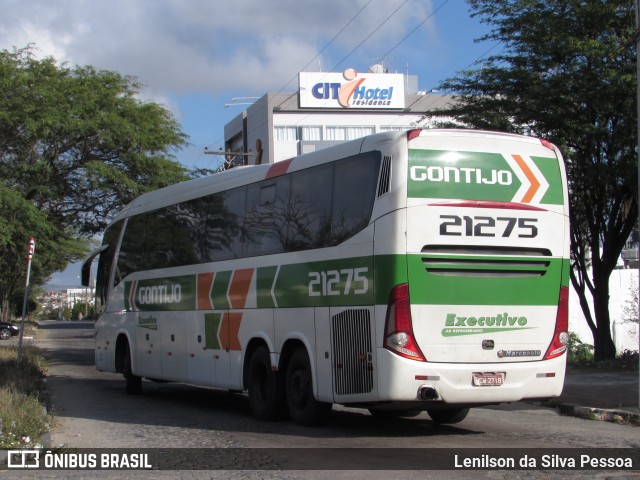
column 23, row 418
column 580, row 354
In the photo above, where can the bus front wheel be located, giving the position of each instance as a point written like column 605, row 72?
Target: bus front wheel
column 303, row 407
column 265, row 387
column 133, row 383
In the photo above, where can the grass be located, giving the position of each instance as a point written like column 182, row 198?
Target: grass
column 23, row 396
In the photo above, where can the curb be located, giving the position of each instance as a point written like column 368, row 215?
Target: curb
column 613, row 415
column 601, row 414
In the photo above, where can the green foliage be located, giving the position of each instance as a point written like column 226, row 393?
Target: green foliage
column 565, row 70
column 76, row 144
column 628, row 359
column 55, row 247
column 579, row 354
column 62, row 313
column 82, row 311
column 23, row 418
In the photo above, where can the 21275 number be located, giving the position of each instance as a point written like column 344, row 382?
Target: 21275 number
column 339, row 282
column 480, row 226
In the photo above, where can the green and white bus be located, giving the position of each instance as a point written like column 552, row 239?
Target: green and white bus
column 401, row 272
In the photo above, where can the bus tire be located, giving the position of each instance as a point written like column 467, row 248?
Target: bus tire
column 448, row 416
column 304, row 409
column 266, row 390
column 133, row 383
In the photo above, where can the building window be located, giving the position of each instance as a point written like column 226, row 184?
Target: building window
column 286, row 134
column 311, row 134
column 292, row 134
column 348, row 133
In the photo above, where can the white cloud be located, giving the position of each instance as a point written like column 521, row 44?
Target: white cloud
column 194, row 46
column 181, row 49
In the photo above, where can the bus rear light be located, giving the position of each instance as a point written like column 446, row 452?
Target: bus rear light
column 561, row 334
column 398, row 328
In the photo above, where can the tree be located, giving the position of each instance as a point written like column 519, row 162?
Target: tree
column 19, row 219
column 566, row 72
column 76, row 144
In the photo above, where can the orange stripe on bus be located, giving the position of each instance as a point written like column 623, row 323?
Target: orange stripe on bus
column 205, row 280
column 239, row 289
column 278, row 168
column 229, row 329
column 535, row 184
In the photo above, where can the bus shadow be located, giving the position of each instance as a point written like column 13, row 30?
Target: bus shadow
column 72, row 357
column 65, row 325
column 219, row 410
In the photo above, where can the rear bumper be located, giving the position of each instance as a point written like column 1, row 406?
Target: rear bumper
column 400, row 379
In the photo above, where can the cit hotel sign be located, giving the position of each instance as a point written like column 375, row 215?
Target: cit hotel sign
column 351, row 90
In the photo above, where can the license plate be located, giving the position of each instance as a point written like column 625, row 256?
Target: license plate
column 488, row 379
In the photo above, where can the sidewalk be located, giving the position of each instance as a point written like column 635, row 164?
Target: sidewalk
column 609, row 395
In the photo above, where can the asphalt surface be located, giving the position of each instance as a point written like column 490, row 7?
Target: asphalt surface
column 591, row 393
column 595, row 394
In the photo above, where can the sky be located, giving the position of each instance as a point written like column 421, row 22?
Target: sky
column 195, row 56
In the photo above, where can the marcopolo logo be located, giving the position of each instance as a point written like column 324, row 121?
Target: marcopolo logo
column 457, row 325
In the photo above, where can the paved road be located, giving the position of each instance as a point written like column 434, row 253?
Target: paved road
column 93, row 411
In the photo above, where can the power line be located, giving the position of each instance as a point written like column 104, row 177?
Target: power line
column 365, row 39
column 375, row 30
column 415, row 29
column 328, row 44
column 370, row 35
column 325, row 47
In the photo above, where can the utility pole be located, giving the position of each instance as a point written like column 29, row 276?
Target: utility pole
column 230, row 156
column 32, row 247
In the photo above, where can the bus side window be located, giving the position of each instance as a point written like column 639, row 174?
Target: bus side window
column 267, row 203
column 105, row 264
column 309, row 210
column 133, row 254
column 168, row 238
column 224, row 228
column 353, row 195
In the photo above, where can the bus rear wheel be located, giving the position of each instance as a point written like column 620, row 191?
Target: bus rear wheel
column 266, row 391
column 448, row 416
column 304, row 409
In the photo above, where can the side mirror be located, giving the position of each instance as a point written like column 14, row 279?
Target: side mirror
column 86, row 266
